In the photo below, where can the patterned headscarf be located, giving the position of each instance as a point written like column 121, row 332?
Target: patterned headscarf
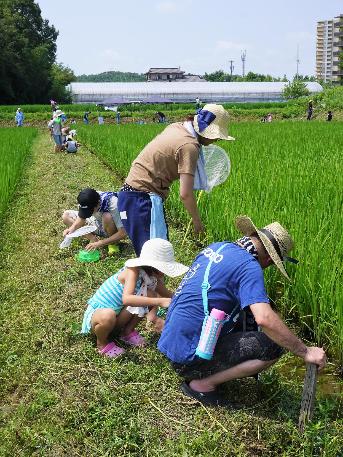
column 246, row 243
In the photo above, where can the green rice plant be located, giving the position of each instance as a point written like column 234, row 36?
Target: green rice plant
column 287, row 172
column 15, row 144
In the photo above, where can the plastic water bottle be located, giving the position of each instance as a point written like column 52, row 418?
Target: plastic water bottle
column 210, row 333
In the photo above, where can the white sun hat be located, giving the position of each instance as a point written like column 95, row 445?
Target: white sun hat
column 212, row 122
column 158, row 253
column 58, row 113
column 274, row 237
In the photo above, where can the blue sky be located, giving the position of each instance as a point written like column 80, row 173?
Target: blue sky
column 199, row 36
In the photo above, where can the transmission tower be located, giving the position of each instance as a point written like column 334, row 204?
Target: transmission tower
column 298, row 62
column 243, row 57
column 232, row 67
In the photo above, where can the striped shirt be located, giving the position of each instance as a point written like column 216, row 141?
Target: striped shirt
column 110, row 293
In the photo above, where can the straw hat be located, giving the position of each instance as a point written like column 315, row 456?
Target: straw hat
column 212, row 122
column 274, row 237
column 159, row 254
column 58, row 113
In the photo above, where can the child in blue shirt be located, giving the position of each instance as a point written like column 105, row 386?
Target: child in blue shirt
column 122, row 300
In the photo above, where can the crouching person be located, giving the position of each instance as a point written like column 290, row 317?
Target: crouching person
column 137, row 286
column 228, row 277
column 100, row 209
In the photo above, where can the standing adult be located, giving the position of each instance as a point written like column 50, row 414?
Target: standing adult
column 55, row 125
column 170, row 156
column 101, row 119
column 229, row 277
column 310, row 110
column 330, row 116
column 86, row 117
column 118, row 116
column 53, row 105
column 19, row 117
column 197, row 103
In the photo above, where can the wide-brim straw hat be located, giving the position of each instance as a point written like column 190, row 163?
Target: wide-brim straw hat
column 216, row 128
column 58, row 113
column 275, row 238
column 159, row 254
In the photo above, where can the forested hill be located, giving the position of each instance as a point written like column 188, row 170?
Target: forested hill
column 112, row 77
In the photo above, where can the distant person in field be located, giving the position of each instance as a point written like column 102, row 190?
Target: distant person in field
column 122, row 300
column 71, row 145
column 310, row 110
column 197, row 103
column 269, row 117
column 172, row 155
column 118, row 117
column 55, row 126
column 86, row 117
column 161, row 117
column 233, row 273
column 98, row 208
column 100, row 119
column 19, row 117
column 330, row 116
column 53, row 105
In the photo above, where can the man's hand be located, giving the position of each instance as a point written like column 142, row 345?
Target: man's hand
column 198, row 226
column 93, row 246
column 315, row 355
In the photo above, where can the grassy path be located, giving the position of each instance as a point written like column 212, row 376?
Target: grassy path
column 59, row 398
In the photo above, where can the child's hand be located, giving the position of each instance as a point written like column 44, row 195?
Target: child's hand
column 66, row 231
column 92, row 246
column 164, row 302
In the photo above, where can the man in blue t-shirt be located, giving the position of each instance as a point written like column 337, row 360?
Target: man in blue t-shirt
column 236, row 286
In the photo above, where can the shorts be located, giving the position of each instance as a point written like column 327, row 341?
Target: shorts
column 87, row 317
column 57, row 139
column 231, row 350
column 143, row 217
column 100, row 231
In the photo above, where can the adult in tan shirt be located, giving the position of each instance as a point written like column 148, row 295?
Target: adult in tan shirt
column 170, row 156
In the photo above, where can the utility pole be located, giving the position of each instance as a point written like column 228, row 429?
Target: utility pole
column 231, row 68
column 243, row 57
column 298, row 62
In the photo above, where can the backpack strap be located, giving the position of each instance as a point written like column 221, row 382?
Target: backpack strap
column 205, row 286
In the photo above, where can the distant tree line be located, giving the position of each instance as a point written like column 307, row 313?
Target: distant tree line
column 112, row 77
column 220, row 75
column 28, row 69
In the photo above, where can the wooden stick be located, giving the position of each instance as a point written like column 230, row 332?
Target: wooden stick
column 308, row 397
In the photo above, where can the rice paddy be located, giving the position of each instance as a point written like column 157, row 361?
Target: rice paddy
column 287, row 172
column 15, row 145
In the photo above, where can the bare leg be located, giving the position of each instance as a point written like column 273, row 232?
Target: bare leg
column 69, row 220
column 242, row 370
column 108, row 224
column 103, row 322
column 131, row 325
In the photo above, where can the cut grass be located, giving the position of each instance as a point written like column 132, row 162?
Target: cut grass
column 59, row 398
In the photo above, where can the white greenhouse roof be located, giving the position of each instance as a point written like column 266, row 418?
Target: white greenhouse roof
column 179, row 91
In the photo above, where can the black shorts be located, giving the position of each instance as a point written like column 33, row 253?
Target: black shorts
column 231, row 350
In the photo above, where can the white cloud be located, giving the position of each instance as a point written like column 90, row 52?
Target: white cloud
column 166, row 7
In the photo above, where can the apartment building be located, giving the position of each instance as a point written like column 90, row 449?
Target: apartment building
column 329, row 52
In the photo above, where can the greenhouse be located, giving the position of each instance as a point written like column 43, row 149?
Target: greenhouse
column 181, row 92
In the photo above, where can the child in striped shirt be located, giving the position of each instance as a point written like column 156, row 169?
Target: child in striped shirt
column 121, row 301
